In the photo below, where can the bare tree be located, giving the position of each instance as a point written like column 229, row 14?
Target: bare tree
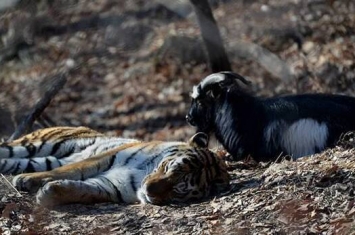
column 217, row 56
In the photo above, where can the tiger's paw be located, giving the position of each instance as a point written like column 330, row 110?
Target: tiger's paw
column 31, row 182
column 55, row 193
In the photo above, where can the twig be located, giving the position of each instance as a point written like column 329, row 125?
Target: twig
column 56, row 83
column 11, row 186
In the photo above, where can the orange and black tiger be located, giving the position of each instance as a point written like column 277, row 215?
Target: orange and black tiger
column 80, row 165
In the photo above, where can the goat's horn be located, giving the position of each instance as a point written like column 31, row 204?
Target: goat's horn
column 231, row 75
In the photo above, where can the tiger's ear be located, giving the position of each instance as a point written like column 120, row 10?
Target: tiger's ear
column 199, row 140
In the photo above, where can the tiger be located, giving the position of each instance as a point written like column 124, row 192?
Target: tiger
column 66, row 165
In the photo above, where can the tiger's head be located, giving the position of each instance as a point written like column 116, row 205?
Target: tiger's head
column 191, row 174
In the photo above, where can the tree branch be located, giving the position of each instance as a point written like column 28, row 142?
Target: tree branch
column 57, row 82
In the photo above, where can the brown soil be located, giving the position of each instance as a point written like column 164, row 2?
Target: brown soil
column 127, row 85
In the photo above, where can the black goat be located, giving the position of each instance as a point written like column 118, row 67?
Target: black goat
column 295, row 125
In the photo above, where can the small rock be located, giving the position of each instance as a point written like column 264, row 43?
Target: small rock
column 308, row 46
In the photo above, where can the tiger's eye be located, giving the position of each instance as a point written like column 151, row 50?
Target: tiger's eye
column 185, row 161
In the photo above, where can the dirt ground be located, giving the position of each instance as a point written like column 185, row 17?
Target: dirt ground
column 135, row 64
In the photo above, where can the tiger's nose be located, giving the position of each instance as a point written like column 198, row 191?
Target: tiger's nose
column 190, row 120
column 157, row 188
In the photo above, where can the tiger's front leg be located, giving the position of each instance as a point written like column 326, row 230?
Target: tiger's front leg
column 60, row 192
column 31, row 182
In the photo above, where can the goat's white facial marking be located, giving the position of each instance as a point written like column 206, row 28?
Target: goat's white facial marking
column 210, row 79
column 300, row 138
column 195, row 92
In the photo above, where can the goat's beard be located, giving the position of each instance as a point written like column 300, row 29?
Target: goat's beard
column 205, row 127
column 206, row 124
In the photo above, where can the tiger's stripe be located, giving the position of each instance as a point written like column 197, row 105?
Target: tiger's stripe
column 56, row 141
column 50, row 148
column 111, row 169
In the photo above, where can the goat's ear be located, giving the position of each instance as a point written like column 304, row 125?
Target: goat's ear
column 215, row 90
column 229, row 80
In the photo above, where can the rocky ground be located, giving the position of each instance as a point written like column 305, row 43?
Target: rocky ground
column 134, row 65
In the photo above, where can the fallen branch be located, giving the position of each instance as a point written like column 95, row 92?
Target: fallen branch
column 11, row 186
column 56, row 84
column 268, row 60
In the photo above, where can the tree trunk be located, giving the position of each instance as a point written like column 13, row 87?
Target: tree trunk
column 217, row 56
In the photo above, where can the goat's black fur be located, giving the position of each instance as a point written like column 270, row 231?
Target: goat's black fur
column 294, row 125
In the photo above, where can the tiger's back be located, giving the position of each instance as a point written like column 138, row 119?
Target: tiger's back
column 53, row 147
column 56, row 141
column 121, row 170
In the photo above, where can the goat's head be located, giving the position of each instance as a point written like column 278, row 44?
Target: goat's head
column 205, row 96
